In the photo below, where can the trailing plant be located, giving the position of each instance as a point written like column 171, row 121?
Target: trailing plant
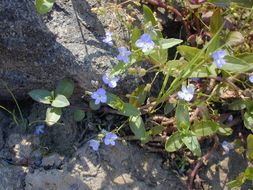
column 206, row 87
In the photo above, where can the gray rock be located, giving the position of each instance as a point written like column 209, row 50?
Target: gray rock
column 53, row 160
column 12, row 178
column 20, row 145
column 112, row 168
column 38, row 51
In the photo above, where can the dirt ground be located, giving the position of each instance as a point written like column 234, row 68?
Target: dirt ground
column 61, row 159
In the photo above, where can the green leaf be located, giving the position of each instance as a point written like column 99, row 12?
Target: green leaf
column 214, row 45
column 94, row 106
column 216, row 22
column 138, row 96
column 44, row 6
column 234, row 38
column 149, row 16
column 65, row 87
column 189, row 52
column 174, row 142
column 137, row 126
column 136, row 34
column 124, row 108
column 53, row 115
column 115, row 102
column 182, row 117
column 79, row 115
column 250, row 147
column 40, row 95
column 160, row 56
column 192, row 143
column 169, row 107
column 156, row 130
column 168, row 43
column 248, row 120
column 236, row 65
column 60, row 101
column 247, row 57
column 238, row 182
column 226, row 131
column 249, row 173
column 205, row 128
column 237, row 105
column 204, row 71
column 130, row 110
column 120, row 68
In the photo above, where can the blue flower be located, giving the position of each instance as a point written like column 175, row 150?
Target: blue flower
column 112, row 83
column 110, row 138
column 99, row 96
column 145, row 43
column 186, row 93
column 218, row 58
column 230, row 118
column 108, row 38
column 39, row 130
column 227, row 146
column 123, row 54
column 94, row 144
column 251, row 79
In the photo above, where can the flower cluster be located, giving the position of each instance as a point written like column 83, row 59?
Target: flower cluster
column 109, row 139
column 145, row 43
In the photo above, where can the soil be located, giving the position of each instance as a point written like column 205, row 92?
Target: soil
column 61, row 159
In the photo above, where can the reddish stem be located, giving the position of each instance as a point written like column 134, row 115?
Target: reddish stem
column 201, row 162
column 158, row 3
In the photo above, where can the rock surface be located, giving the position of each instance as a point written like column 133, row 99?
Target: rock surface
column 12, row 178
column 120, row 168
column 38, row 51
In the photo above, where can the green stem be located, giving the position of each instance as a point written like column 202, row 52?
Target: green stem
column 188, row 70
column 15, row 100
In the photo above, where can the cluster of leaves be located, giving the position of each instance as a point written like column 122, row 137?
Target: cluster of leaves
column 57, row 100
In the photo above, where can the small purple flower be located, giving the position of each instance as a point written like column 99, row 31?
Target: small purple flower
column 124, row 54
column 145, row 43
column 112, row 83
column 227, row 146
column 99, row 96
column 186, row 93
column 39, row 129
column 108, row 38
column 251, row 79
column 218, row 58
column 110, row 138
column 230, row 118
column 94, row 144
